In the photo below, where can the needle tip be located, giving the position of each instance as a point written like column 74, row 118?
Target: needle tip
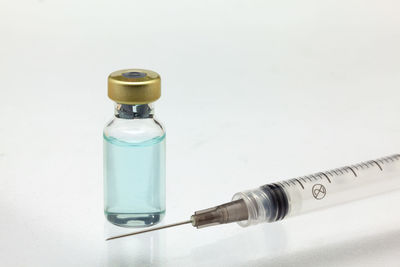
column 149, row 230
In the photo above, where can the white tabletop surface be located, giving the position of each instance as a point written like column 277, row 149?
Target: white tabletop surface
column 253, row 92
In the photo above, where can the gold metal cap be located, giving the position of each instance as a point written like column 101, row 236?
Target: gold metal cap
column 134, row 86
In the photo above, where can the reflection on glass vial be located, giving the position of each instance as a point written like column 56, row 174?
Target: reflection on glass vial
column 134, row 153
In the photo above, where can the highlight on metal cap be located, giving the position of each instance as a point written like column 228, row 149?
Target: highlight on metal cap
column 134, row 86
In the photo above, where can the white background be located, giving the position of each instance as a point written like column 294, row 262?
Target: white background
column 253, row 92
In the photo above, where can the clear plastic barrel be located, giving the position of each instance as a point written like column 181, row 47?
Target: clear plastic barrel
column 273, row 202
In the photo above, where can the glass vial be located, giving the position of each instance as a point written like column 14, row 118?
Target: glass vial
column 134, row 151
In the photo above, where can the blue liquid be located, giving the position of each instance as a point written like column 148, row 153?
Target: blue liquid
column 134, row 182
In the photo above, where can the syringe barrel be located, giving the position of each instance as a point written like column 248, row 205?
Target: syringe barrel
column 273, row 202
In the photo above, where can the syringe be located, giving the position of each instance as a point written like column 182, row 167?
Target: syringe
column 277, row 201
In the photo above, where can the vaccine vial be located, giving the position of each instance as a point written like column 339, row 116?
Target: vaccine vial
column 134, row 151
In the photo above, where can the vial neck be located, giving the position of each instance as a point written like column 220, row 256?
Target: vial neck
column 129, row 112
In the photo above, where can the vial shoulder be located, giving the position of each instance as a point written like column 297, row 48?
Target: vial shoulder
column 134, row 130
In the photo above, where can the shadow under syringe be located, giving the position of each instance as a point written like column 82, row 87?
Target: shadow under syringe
column 269, row 246
column 364, row 250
